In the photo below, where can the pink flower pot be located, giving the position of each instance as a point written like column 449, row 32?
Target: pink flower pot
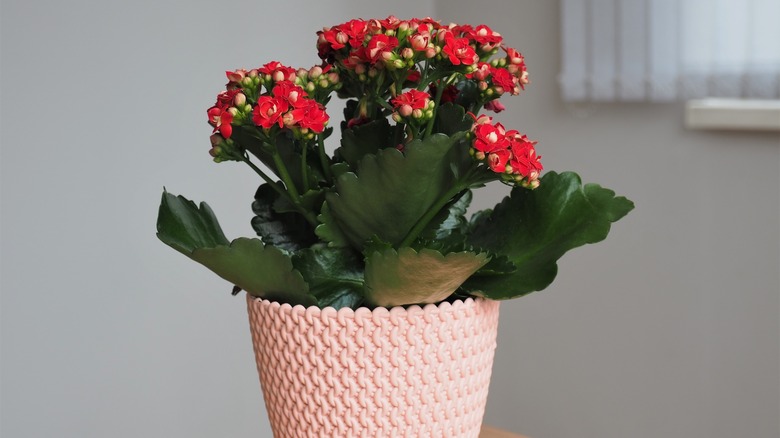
column 384, row 373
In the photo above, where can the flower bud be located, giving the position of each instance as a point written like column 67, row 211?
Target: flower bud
column 315, row 72
column 397, row 118
column 407, row 53
column 418, row 113
column 430, row 52
column 405, row 110
column 233, row 110
column 333, row 78
column 239, row 100
column 479, row 155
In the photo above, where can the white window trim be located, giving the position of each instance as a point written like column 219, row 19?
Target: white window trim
column 733, row 114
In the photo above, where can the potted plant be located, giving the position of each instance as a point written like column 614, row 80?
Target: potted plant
column 372, row 296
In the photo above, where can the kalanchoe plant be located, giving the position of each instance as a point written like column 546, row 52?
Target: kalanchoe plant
column 382, row 222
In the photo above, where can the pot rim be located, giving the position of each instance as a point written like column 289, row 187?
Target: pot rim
column 362, row 313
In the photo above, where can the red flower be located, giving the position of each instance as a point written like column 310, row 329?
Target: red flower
column 524, row 160
column 278, row 72
column 487, row 38
column 312, row 116
column 293, row 94
column 502, row 78
column 497, row 160
column 391, row 23
column 269, row 111
column 490, row 138
column 236, row 76
column 459, row 51
column 225, row 99
column 356, row 30
column 221, row 120
column 379, row 45
column 411, row 100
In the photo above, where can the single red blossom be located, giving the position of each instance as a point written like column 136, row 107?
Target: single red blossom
column 490, row 138
column 487, row 38
column 293, row 94
column 513, row 56
column 391, row 23
column 236, row 76
column 221, row 119
column 379, row 45
column 312, row 116
column 502, row 78
column 225, row 99
column 269, row 111
column 413, row 98
column 356, row 31
column 419, row 41
column 524, row 160
column 333, row 38
column 498, row 159
column 459, row 51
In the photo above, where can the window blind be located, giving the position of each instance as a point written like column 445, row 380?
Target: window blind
column 665, row 50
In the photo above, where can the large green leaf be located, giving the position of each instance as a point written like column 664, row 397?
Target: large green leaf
column 184, row 226
column 396, row 278
column 262, row 271
column 334, row 275
column 362, row 140
column 392, row 191
column 289, row 231
column 534, row 228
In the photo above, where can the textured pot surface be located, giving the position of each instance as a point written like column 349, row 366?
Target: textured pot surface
column 384, row 373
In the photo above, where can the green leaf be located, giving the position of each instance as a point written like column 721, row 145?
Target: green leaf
column 334, row 275
column 362, row 140
column 289, row 231
column 397, row 278
column 450, row 219
column 392, row 191
column 534, row 228
column 329, row 230
column 184, row 227
column 262, row 271
column 451, row 118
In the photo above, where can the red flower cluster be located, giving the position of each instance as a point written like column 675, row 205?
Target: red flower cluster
column 289, row 106
column 506, row 152
column 413, row 103
column 392, row 43
column 505, row 75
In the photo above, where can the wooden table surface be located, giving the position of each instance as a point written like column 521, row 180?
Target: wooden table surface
column 492, row 432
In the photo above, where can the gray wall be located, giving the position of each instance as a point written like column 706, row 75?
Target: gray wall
column 669, row 328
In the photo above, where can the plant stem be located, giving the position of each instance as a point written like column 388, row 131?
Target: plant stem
column 265, row 177
column 304, row 168
column 439, row 91
column 285, row 176
column 324, row 158
column 310, row 217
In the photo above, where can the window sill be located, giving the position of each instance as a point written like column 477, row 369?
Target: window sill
column 734, row 114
